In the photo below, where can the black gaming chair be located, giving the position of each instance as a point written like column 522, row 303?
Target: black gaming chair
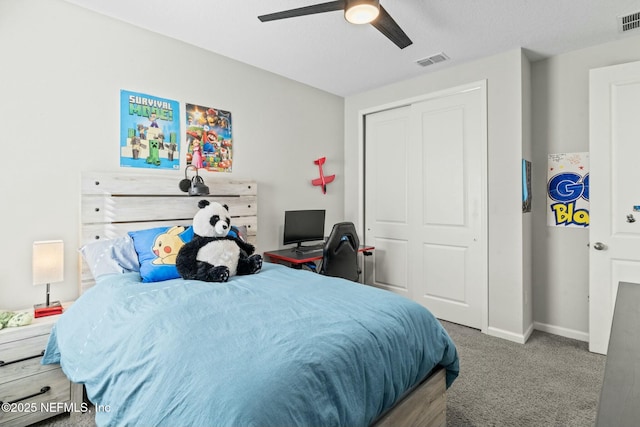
column 340, row 254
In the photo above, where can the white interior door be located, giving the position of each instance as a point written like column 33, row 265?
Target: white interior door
column 387, row 152
column 451, row 249
column 425, row 202
column 614, row 144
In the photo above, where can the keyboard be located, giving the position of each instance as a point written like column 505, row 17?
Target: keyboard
column 309, row 250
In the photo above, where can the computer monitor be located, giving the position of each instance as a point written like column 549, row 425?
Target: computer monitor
column 303, row 226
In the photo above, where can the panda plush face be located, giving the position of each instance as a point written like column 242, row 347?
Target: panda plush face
column 212, row 220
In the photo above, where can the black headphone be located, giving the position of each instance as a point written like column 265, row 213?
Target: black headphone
column 194, row 186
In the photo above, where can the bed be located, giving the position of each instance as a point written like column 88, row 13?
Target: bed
column 283, row 347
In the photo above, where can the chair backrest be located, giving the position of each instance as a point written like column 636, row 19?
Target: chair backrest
column 340, row 255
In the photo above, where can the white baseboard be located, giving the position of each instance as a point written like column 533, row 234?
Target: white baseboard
column 528, row 332
column 563, row 332
column 510, row 336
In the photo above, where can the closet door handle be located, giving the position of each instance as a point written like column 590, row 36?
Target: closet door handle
column 3, row 363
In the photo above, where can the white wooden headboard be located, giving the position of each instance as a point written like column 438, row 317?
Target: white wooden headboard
column 113, row 203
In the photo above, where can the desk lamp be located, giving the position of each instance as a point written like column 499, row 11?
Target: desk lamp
column 194, row 186
column 48, row 267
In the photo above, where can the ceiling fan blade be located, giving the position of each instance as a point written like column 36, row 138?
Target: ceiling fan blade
column 301, row 11
column 387, row 26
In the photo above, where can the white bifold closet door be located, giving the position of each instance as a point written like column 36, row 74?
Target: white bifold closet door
column 425, row 202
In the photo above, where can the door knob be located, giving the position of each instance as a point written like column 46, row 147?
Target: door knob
column 598, row 246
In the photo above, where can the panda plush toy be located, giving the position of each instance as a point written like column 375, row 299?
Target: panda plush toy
column 213, row 255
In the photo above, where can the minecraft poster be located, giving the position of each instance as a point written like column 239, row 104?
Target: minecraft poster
column 209, row 141
column 149, row 131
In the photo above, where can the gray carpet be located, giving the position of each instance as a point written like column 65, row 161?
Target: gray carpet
column 549, row 381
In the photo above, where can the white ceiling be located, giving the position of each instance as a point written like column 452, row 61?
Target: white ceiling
column 326, row 52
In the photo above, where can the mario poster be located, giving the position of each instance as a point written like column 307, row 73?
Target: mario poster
column 149, row 131
column 209, row 141
column 568, row 190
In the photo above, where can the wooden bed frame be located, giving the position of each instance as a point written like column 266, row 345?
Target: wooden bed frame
column 425, row 405
column 113, row 203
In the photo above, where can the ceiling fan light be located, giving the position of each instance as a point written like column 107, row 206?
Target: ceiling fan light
column 361, row 12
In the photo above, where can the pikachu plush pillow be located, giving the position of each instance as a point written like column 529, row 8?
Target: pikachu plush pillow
column 157, row 250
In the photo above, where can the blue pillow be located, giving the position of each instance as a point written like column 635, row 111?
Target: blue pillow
column 157, row 249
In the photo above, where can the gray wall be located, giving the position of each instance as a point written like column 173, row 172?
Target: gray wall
column 62, row 71
column 527, row 218
column 561, row 125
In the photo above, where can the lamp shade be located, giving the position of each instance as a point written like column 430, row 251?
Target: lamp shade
column 48, row 262
column 361, row 11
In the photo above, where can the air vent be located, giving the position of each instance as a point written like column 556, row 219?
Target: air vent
column 629, row 22
column 433, row 59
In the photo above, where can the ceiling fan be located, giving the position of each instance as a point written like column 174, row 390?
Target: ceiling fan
column 356, row 12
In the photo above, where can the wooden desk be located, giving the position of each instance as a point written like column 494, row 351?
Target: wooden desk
column 620, row 393
column 296, row 259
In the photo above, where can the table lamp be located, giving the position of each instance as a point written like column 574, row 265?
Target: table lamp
column 48, row 267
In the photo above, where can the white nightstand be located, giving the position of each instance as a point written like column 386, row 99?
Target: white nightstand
column 34, row 391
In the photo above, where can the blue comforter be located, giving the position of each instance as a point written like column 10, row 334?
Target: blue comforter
column 280, row 348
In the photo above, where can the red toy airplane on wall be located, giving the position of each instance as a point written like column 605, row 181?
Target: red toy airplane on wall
column 323, row 180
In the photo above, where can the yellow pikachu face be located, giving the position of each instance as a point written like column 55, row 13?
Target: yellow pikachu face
column 167, row 245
